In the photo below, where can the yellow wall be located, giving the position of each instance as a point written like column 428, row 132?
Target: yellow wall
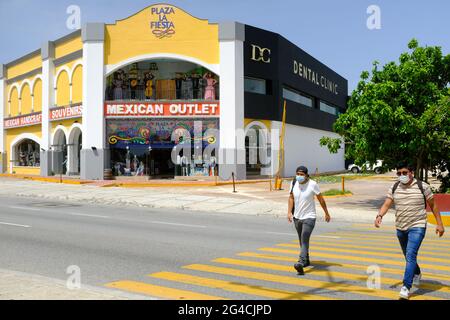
column 63, row 89
column 14, row 103
column 68, row 47
column 12, row 134
column 26, row 99
column 28, row 65
column 37, row 92
column 133, row 37
column 65, row 123
column 77, row 85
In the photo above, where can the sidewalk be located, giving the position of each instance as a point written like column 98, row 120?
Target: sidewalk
column 23, row 286
column 250, row 199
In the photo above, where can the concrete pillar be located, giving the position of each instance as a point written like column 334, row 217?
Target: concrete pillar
column 93, row 155
column 3, row 155
column 232, row 137
column 48, row 98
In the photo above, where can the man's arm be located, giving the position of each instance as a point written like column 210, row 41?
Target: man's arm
column 324, row 207
column 440, row 226
column 290, row 207
column 383, row 210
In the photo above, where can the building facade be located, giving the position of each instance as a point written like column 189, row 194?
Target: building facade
column 164, row 94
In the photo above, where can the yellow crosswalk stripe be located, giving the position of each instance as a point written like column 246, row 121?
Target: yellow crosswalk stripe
column 358, row 258
column 344, row 265
column 237, row 287
column 159, row 291
column 442, row 242
column 374, row 247
column 368, row 252
column 380, row 244
column 303, row 282
column 325, row 273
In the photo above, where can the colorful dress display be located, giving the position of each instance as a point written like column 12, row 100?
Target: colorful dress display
column 210, row 91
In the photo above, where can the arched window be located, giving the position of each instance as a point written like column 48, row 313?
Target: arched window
column 27, row 154
column 37, row 93
column 63, row 89
column 77, row 85
column 25, row 97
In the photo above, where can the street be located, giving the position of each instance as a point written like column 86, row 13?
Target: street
column 174, row 254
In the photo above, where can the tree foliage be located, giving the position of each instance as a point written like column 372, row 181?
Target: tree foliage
column 400, row 112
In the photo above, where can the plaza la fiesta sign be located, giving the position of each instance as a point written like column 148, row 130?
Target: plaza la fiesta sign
column 162, row 110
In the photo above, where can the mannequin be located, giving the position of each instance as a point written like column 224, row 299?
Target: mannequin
column 118, row 83
column 210, row 91
column 149, row 86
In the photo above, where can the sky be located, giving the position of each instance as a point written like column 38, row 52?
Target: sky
column 333, row 31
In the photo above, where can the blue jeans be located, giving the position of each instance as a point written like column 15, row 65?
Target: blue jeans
column 410, row 241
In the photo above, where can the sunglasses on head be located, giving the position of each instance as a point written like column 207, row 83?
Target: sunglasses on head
column 404, row 173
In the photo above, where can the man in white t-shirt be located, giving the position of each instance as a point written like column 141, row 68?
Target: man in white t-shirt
column 302, row 210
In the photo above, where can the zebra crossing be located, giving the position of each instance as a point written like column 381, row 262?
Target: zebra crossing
column 353, row 263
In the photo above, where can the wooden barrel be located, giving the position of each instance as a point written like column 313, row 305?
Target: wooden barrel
column 108, row 174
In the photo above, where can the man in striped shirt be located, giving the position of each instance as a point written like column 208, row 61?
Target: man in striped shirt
column 410, row 197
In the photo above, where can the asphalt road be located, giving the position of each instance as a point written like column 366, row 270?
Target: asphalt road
column 122, row 244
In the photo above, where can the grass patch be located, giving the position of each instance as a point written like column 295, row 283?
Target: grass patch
column 335, row 192
column 338, row 178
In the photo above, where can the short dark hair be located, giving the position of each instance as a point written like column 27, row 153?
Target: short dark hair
column 302, row 169
column 405, row 164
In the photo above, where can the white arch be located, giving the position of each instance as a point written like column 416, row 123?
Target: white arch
column 15, row 85
column 266, row 139
column 256, row 123
column 72, row 153
column 22, row 85
column 56, row 134
column 72, row 128
column 114, row 67
column 38, row 77
column 63, row 68
column 76, row 64
column 16, row 141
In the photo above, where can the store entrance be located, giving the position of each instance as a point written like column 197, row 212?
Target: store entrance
column 160, row 165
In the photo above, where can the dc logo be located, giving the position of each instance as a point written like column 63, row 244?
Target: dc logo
column 260, row 54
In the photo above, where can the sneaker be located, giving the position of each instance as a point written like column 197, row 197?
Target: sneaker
column 404, row 293
column 306, row 264
column 299, row 268
column 416, row 279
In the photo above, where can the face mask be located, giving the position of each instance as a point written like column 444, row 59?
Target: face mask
column 404, row 179
column 300, row 179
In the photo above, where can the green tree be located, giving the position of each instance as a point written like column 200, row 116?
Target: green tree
column 400, row 112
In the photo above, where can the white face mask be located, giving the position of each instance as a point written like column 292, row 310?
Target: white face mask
column 404, row 179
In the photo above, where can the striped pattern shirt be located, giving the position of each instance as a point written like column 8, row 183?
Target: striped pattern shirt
column 409, row 203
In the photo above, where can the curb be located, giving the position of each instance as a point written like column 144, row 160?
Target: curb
column 44, row 179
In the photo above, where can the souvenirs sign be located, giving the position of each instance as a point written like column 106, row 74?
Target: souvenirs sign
column 66, row 112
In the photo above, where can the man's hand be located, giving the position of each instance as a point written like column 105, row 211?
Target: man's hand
column 327, row 217
column 290, row 217
column 440, row 230
column 378, row 221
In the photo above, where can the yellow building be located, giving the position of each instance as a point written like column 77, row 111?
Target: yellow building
column 163, row 93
